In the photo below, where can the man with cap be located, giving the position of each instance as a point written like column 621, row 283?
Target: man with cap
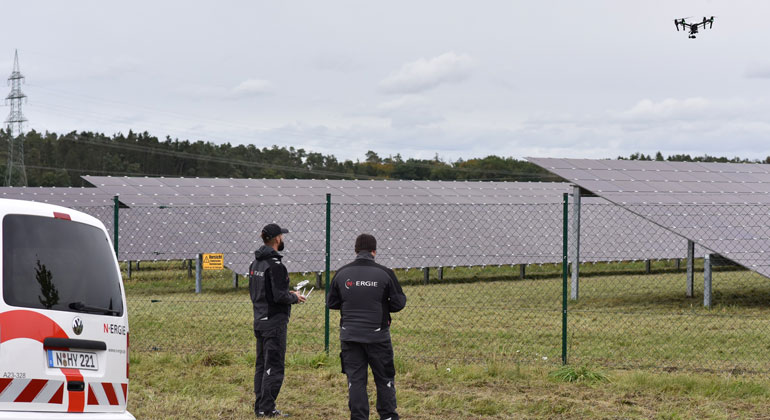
column 272, row 300
column 366, row 293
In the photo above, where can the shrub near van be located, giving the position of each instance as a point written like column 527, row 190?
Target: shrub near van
column 63, row 324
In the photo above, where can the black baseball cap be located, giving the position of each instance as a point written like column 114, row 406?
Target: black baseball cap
column 272, row 230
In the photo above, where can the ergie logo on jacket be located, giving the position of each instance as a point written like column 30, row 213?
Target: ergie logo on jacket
column 350, row 283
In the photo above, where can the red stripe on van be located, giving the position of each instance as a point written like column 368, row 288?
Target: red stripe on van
column 31, row 390
column 28, row 324
column 110, row 391
column 91, row 396
column 58, row 396
column 4, row 382
column 77, row 399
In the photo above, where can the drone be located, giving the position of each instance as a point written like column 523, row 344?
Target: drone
column 693, row 27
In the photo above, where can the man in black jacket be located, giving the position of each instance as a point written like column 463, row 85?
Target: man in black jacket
column 272, row 300
column 366, row 293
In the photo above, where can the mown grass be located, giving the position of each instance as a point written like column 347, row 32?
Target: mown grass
column 471, row 349
column 168, row 386
column 642, row 320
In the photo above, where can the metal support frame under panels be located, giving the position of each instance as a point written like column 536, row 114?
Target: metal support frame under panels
column 707, row 280
column 575, row 248
column 690, row 267
column 198, row 273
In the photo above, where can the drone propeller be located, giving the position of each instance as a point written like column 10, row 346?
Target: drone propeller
column 681, row 21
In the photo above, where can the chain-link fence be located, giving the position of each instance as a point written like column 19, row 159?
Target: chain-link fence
column 176, row 305
column 460, row 266
column 698, row 311
column 484, row 282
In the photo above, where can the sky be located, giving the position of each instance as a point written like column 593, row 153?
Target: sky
column 453, row 79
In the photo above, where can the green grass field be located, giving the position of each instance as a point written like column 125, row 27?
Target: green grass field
column 479, row 344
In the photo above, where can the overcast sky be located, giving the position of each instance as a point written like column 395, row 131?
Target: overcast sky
column 460, row 79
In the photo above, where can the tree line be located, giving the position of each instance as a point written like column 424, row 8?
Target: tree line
column 59, row 160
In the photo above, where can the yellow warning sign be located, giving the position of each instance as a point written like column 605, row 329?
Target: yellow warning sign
column 213, row 261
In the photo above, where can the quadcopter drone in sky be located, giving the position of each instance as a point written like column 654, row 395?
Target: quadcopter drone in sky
column 693, row 27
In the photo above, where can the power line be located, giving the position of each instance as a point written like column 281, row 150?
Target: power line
column 214, row 159
column 110, row 119
column 97, row 171
column 290, row 169
column 191, row 118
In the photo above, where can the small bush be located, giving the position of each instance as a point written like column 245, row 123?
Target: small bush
column 315, row 361
column 578, row 374
column 217, row 359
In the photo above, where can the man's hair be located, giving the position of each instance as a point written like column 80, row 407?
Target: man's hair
column 365, row 242
column 267, row 239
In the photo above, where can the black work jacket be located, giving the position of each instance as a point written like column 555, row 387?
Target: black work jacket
column 365, row 293
column 269, row 289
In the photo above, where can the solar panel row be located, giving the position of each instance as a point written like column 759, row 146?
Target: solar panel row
column 194, row 191
column 418, row 223
column 653, row 182
column 722, row 207
column 68, row 197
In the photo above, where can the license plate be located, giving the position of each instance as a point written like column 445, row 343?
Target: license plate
column 72, row 360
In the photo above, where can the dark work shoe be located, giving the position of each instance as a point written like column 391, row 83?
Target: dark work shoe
column 274, row 413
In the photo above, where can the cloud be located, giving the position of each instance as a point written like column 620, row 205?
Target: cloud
column 252, row 87
column 670, row 108
column 246, row 89
column 758, row 71
column 723, row 127
column 409, row 111
column 418, row 127
column 425, row 74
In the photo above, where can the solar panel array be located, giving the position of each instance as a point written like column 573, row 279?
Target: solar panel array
column 417, row 223
column 660, row 182
column 724, row 207
column 67, row 197
column 135, row 191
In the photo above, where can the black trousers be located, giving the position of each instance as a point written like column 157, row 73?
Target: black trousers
column 356, row 358
column 268, row 372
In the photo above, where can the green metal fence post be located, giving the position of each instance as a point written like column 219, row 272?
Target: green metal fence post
column 328, row 263
column 564, row 275
column 115, row 225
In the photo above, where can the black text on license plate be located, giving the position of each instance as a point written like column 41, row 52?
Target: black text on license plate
column 72, row 360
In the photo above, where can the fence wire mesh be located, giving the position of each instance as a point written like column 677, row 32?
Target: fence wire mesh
column 484, row 282
column 460, row 266
column 655, row 312
column 159, row 249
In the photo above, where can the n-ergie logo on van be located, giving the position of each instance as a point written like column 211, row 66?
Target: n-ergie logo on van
column 115, row 329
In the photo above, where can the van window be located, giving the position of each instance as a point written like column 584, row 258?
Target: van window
column 59, row 264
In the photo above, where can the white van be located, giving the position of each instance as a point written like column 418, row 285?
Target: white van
column 63, row 321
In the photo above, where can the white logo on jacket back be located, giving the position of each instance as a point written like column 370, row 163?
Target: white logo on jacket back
column 360, row 283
